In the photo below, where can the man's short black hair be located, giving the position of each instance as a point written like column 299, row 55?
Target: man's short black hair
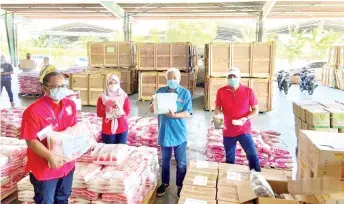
column 47, row 77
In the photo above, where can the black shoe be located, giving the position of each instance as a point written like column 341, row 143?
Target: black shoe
column 162, row 190
column 178, row 191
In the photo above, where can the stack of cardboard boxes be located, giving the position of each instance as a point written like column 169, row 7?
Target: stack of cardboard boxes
column 208, row 182
column 333, row 72
column 256, row 62
column 320, row 166
column 318, row 116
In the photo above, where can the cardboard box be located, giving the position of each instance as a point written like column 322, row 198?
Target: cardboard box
column 303, row 171
column 246, row 194
column 229, row 178
column 337, row 117
column 298, row 122
column 317, row 117
column 287, row 173
column 330, row 198
column 323, row 129
column 298, row 104
column 325, row 153
column 203, row 166
column 201, row 178
column 229, row 194
column 234, row 168
column 303, row 109
column 199, row 192
column 303, row 143
column 304, row 126
column 191, row 199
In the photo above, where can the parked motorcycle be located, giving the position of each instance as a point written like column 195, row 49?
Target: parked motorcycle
column 284, row 81
column 308, row 81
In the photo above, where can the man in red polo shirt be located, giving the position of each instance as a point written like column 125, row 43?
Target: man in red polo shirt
column 52, row 182
column 239, row 105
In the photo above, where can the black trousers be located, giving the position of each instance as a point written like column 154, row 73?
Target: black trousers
column 8, row 87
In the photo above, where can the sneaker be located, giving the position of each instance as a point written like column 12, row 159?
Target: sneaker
column 13, row 105
column 162, row 190
column 178, row 191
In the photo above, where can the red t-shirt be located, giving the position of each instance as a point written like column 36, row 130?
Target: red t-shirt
column 122, row 122
column 37, row 116
column 235, row 105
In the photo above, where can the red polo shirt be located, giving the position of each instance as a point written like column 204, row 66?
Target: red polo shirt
column 122, row 122
column 235, row 105
column 36, row 117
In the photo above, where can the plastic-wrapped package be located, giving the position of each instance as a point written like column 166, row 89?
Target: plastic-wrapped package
column 11, row 122
column 113, row 154
column 83, row 172
column 73, row 142
column 260, row 186
column 164, row 102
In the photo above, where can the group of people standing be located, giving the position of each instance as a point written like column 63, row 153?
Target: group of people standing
column 6, row 71
column 52, row 177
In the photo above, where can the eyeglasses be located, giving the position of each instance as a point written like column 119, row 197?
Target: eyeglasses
column 56, row 87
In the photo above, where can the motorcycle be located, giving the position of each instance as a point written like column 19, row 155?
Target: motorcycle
column 308, row 82
column 284, row 81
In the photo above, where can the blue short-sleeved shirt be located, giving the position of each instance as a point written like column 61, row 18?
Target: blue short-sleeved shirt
column 6, row 68
column 172, row 131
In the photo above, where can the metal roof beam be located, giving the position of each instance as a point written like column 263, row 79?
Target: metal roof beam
column 267, row 8
column 114, row 8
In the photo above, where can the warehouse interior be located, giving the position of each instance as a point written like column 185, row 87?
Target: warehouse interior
column 279, row 115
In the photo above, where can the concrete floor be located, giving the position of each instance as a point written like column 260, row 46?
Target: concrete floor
column 280, row 119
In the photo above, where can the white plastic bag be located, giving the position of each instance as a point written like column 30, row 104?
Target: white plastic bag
column 165, row 102
column 260, row 186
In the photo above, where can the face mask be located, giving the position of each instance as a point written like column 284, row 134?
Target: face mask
column 113, row 87
column 233, row 82
column 172, row 84
column 58, row 94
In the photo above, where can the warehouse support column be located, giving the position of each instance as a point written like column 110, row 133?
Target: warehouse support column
column 127, row 27
column 260, row 27
column 11, row 33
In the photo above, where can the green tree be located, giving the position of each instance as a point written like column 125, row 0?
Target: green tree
column 196, row 32
column 51, row 41
column 319, row 41
column 293, row 48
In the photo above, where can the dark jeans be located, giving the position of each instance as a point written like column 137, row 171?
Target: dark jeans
column 8, row 87
column 247, row 144
column 116, row 138
column 54, row 191
column 180, row 155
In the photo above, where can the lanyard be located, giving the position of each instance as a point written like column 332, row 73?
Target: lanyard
column 53, row 113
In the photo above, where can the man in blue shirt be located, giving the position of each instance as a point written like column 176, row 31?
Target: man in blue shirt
column 173, row 132
column 6, row 80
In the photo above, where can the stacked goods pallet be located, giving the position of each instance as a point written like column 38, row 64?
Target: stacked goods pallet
column 90, row 84
column 112, row 54
column 319, row 163
column 318, row 116
column 151, row 81
column 333, row 72
column 256, row 62
column 154, row 59
column 214, row 183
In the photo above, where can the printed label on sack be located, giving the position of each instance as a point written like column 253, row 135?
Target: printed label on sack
column 233, row 176
column 78, row 144
column 202, row 165
column 194, row 201
column 200, row 181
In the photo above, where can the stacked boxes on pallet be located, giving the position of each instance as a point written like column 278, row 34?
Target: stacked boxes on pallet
column 333, row 72
column 318, row 116
column 116, row 56
column 320, row 165
column 256, row 62
column 155, row 58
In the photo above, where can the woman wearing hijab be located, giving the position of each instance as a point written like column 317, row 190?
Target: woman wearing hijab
column 114, row 107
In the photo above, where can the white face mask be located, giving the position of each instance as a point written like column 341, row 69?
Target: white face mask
column 113, row 87
column 58, row 94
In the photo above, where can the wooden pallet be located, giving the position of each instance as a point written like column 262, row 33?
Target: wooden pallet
column 9, row 197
